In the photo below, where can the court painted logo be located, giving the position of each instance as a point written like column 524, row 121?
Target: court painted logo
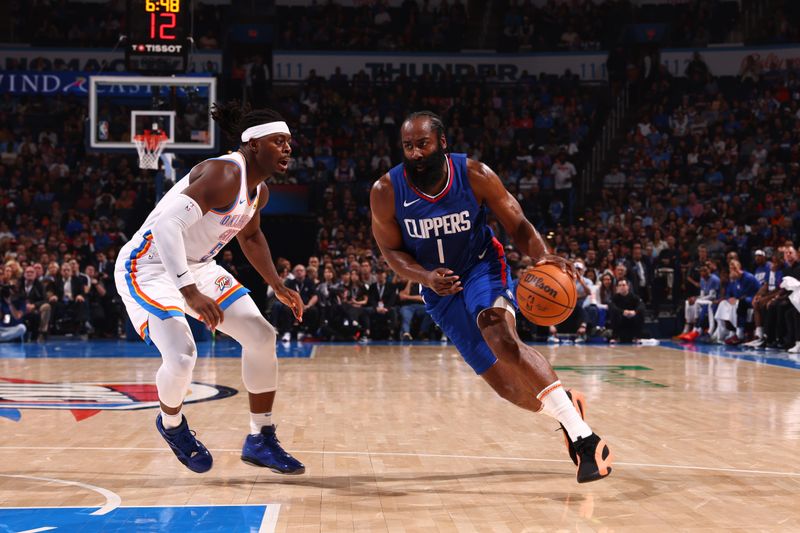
column 620, row 375
column 223, row 283
column 87, row 399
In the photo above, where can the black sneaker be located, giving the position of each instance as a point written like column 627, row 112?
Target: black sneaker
column 594, row 458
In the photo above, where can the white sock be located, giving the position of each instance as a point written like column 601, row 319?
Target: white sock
column 171, row 421
column 740, row 332
column 259, row 420
column 759, row 332
column 556, row 403
column 698, row 329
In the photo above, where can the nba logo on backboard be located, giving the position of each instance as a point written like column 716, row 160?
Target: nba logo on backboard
column 102, row 130
column 223, row 282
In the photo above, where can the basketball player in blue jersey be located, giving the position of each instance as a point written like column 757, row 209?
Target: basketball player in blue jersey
column 167, row 270
column 429, row 218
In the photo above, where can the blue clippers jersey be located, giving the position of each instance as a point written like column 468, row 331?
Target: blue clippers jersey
column 446, row 230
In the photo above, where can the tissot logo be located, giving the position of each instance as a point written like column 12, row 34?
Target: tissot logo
column 87, row 399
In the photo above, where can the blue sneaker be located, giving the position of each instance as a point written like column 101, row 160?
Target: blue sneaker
column 265, row 450
column 186, row 447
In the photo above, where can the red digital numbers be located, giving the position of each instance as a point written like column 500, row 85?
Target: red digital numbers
column 160, row 23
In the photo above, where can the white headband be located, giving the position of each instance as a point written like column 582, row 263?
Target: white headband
column 254, row 132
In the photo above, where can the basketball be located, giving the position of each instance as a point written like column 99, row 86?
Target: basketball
column 546, row 294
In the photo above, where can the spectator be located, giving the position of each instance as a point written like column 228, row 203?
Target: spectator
column 598, row 302
column 329, row 300
column 382, row 303
column 66, row 296
column 11, row 323
column 770, row 289
column 641, row 272
column 614, row 179
column 226, row 262
column 698, row 309
column 585, row 319
column 257, row 82
column 287, row 326
column 741, row 288
column 626, row 313
column 31, row 293
column 563, row 172
column 355, row 306
column 412, row 307
column 779, row 308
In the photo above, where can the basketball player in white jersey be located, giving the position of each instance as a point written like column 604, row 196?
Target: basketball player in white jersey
column 167, row 271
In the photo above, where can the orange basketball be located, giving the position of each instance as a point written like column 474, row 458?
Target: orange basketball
column 546, row 295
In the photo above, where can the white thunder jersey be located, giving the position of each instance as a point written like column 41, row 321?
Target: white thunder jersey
column 205, row 238
column 142, row 281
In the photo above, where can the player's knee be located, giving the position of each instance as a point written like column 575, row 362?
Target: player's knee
column 505, row 347
column 181, row 362
column 260, row 335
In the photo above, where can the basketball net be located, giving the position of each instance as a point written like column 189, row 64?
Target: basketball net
column 149, row 145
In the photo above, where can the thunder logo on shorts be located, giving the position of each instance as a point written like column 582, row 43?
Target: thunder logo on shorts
column 223, row 282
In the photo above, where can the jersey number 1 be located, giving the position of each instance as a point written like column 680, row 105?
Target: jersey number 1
column 441, row 250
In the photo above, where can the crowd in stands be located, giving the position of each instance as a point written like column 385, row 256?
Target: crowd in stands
column 414, row 25
column 703, row 187
column 590, row 25
column 780, row 23
column 706, row 181
column 421, row 25
column 347, row 135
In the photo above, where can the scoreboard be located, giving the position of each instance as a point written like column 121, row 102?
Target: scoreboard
column 158, row 36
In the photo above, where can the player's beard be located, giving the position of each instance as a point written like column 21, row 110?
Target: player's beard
column 427, row 171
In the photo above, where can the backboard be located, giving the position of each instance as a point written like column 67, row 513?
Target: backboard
column 122, row 106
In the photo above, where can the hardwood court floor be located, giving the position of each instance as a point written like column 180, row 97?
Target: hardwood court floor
column 407, row 438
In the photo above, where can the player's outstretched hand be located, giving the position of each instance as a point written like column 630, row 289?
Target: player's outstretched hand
column 559, row 261
column 443, row 282
column 210, row 312
column 293, row 301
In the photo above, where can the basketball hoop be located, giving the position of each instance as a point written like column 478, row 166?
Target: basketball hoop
column 150, row 144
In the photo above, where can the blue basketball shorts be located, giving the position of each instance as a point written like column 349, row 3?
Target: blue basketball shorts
column 457, row 315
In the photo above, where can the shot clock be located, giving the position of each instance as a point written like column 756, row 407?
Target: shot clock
column 158, row 36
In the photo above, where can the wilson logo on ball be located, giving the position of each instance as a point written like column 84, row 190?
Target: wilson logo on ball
column 539, row 283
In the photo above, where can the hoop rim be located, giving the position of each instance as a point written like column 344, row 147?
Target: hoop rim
column 150, row 140
column 148, row 134
column 149, row 146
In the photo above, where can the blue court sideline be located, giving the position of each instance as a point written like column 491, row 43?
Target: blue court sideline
column 764, row 357
column 166, row 519
column 72, row 348
column 89, row 349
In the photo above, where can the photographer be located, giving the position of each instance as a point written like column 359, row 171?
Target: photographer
column 11, row 326
column 34, row 302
